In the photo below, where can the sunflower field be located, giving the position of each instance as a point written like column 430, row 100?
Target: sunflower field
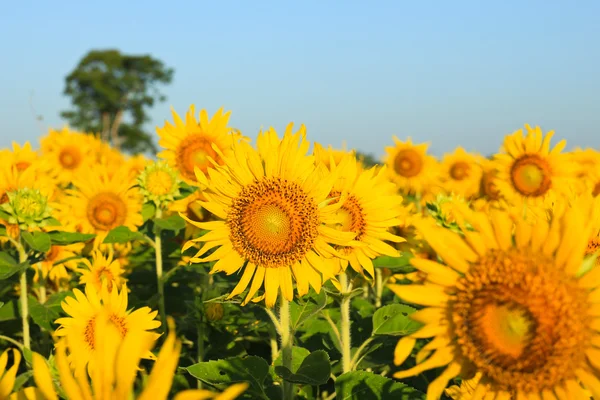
column 227, row 268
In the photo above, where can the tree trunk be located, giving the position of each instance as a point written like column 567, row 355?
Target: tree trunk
column 114, row 130
column 106, row 127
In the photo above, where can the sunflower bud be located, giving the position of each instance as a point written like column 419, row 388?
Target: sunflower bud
column 27, row 208
column 214, row 311
column 159, row 183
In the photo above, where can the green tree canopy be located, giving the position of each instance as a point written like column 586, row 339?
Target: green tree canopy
column 110, row 92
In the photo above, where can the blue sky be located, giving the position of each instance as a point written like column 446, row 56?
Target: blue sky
column 447, row 72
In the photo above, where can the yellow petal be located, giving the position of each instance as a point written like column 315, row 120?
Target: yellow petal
column 426, row 295
column 403, row 349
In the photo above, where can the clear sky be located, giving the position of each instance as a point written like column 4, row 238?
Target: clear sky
column 447, row 72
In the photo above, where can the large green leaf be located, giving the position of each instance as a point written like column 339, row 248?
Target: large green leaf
column 362, row 385
column 315, row 369
column 171, row 223
column 60, row 238
column 250, row 369
column 42, row 314
column 298, row 355
column 148, row 211
column 394, row 319
column 9, row 311
column 122, row 234
column 305, row 308
column 9, row 267
column 38, row 241
column 397, row 264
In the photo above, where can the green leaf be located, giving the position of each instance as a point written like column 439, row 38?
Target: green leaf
column 362, row 385
column 394, row 319
column 314, row 370
column 28, row 356
column 21, row 380
column 298, row 355
column 396, row 264
column 185, row 190
column 300, row 313
column 59, row 238
column 3, row 230
column 9, row 311
column 122, row 234
column 41, row 314
column 38, row 241
column 9, row 267
column 250, row 369
column 171, row 223
column 148, row 211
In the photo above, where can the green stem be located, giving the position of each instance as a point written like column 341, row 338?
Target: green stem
column 159, row 272
column 287, row 342
column 11, row 340
column 23, row 298
column 378, row 287
column 345, row 324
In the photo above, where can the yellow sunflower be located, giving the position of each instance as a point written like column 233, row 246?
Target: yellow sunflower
column 325, row 155
column 118, row 367
column 410, row 166
column 273, row 209
column 461, row 173
column 58, row 264
column 102, row 270
column 369, row 211
column 190, row 144
column 529, row 172
column 136, row 164
column 513, row 303
column 191, row 207
column 68, row 153
column 101, row 203
column 83, row 311
column 20, row 157
column 8, row 376
column 465, row 390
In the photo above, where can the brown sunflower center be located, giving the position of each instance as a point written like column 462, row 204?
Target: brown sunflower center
column 194, row 151
column 273, row 223
column 352, row 218
column 596, row 190
column 90, row 329
column 511, row 322
column 531, row 175
column 52, row 254
column 22, row 165
column 459, row 170
column 103, row 274
column 408, row 163
column 488, row 186
column 593, row 247
column 69, row 157
column 106, row 211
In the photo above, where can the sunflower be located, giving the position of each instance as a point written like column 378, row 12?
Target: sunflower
column 118, row 366
column 68, row 153
column 191, row 144
column 136, row 164
column 461, row 173
column 273, row 207
column 369, row 211
column 410, row 166
column 83, row 311
column 191, row 207
column 325, row 155
column 529, row 172
column 20, row 157
column 58, row 263
column 8, row 376
column 103, row 270
column 101, row 203
column 465, row 390
column 516, row 307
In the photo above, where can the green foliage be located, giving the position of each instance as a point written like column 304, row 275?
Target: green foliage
column 122, row 234
column 302, row 310
column 313, row 370
column 59, row 238
column 362, row 385
column 38, row 241
column 108, row 87
column 394, row 319
column 171, row 223
column 9, row 267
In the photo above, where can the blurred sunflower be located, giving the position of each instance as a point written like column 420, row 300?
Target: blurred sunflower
column 410, row 166
column 515, row 307
column 102, row 270
column 369, row 211
column 117, row 359
column 136, row 164
column 273, row 205
column 192, row 208
column 83, row 310
column 68, row 153
column 325, row 155
column 58, row 264
column 21, row 157
column 461, row 173
column 101, row 203
column 189, row 144
column 529, row 172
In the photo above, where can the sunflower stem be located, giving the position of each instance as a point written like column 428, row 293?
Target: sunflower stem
column 159, row 271
column 23, row 298
column 346, row 343
column 378, row 287
column 287, row 342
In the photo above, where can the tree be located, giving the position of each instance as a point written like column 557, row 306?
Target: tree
column 110, row 92
column 368, row 160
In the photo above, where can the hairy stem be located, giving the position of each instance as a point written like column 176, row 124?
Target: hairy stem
column 345, row 324
column 23, row 298
column 378, row 287
column 159, row 272
column 287, row 342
